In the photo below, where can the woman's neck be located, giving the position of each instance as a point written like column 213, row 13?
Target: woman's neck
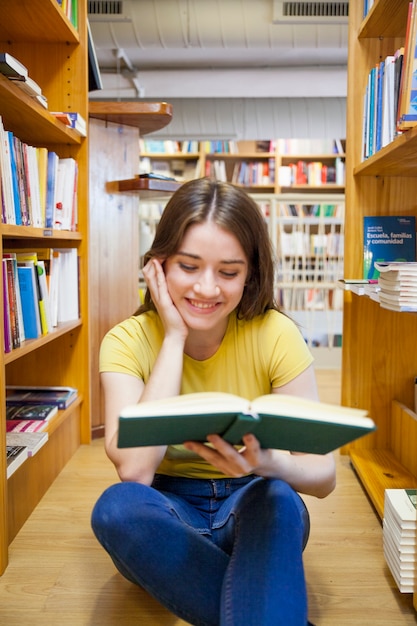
column 201, row 345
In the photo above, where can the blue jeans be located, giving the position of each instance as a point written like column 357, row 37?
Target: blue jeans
column 214, row 552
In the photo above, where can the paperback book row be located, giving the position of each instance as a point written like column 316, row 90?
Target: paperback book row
column 399, row 536
column 390, row 101
column 40, row 290
column 28, row 414
column 246, row 173
column 168, row 146
column 298, row 243
column 38, row 188
column 70, row 9
column 311, row 146
column 311, row 210
column 313, row 173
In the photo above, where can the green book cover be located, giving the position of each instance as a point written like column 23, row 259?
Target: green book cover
column 278, row 421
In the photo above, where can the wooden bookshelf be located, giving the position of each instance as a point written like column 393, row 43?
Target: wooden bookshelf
column 255, row 170
column 379, row 360
column 148, row 117
column 55, row 53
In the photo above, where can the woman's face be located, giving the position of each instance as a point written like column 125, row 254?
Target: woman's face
column 207, row 275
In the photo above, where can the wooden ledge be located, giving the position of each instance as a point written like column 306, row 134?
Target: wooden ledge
column 147, row 116
column 146, row 187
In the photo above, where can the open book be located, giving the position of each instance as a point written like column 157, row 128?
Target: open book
column 278, row 421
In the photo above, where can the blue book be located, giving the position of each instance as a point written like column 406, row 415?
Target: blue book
column 15, row 179
column 387, row 238
column 51, row 176
column 378, row 138
column 30, row 301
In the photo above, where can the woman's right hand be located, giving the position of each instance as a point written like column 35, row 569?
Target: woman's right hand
column 172, row 321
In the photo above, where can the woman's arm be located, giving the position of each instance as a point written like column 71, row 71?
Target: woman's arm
column 120, row 390
column 310, row 474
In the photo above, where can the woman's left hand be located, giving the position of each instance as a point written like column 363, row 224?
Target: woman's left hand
column 229, row 460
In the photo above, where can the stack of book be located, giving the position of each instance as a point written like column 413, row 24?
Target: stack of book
column 399, row 536
column 18, row 73
column 398, row 286
column 30, row 409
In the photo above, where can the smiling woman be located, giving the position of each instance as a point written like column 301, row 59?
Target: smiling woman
column 209, row 322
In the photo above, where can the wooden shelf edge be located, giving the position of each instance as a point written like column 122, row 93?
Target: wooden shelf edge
column 387, row 18
column 53, row 24
column 379, row 470
column 29, row 232
column 18, row 106
column 63, row 415
column 33, row 344
column 395, row 159
column 143, row 186
column 147, row 116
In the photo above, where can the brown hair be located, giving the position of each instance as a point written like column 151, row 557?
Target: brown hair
column 202, row 200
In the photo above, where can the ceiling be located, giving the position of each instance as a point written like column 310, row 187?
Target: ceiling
column 175, row 50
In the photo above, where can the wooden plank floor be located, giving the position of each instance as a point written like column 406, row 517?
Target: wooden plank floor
column 58, row 573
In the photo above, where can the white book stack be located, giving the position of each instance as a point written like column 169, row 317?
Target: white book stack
column 399, row 536
column 398, row 285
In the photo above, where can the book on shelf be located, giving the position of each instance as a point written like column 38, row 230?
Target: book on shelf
column 60, row 396
column 33, row 411
column 398, row 286
column 399, row 536
column 72, row 119
column 15, row 457
column 12, row 67
column 64, row 271
column 278, row 421
column 29, row 426
column 8, row 212
column 30, row 258
column 13, row 312
column 408, row 90
column 29, row 295
column 51, row 178
column 32, row 441
column 29, row 86
column 387, row 238
column 7, row 332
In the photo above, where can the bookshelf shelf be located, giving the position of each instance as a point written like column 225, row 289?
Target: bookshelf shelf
column 145, row 186
column 33, row 123
column 58, row 63
column 37, row 21
column 384, row 184
column 147, row 116
column 31, row 345
column 379, row 470
column 228, row 165
column 28, row 232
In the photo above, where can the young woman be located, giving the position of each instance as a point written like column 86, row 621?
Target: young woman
column 214, row 532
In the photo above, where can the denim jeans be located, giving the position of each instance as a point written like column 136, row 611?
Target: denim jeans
column 214, row 552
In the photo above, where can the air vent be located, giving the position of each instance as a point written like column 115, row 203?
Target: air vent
column 105, row 7
column 335, row 12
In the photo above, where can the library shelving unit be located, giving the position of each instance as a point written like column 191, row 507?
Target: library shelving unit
column 379, row 362
column 307, row 232
column 55, row 53
column 256, row 166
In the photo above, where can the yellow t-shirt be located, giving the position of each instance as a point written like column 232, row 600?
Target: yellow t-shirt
column 255, row 356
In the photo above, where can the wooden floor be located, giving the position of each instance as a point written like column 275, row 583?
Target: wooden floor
column 58, row 574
